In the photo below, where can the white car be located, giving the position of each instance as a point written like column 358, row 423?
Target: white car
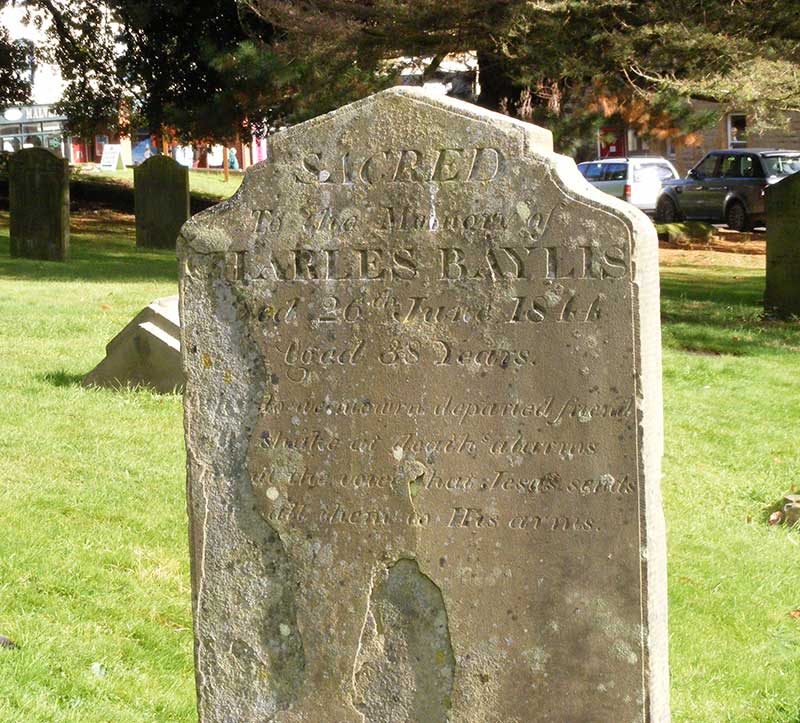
column 636, row 180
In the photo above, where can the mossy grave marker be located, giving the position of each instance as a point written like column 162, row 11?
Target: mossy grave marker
column 161, row 199
column 39, row 205
column 423, row 423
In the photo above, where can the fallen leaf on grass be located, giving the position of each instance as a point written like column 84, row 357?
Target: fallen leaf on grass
column 795, row 614
column 8, row 643
column 105, row 307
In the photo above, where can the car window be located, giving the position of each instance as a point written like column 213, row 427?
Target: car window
column 648, row 171
column 730, row 167
column 751, row 167
column 592, row 171
column 706, row 167
column 616, row 172
column 781, row 165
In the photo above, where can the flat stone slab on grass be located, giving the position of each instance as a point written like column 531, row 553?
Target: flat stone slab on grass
column 423, row 426
column 161, row 199
column 39, row 205
column 145, row 353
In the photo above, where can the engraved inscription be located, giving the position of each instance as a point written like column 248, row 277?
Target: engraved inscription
column 415, row 365
column 404, row 165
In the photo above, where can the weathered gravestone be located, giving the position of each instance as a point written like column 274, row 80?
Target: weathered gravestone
column 161, row 199
column 423, row 420
column 39, row 205
column 782, row 296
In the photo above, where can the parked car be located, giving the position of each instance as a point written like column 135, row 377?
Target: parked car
column 636, row 180
column 727, row 187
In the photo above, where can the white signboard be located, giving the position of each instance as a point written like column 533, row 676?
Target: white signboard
column 112, row 157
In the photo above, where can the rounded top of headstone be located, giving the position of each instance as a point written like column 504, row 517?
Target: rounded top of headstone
column 396, row 140
column 389, row 105
column 786, row 184
column 160, row 161
column 37, row 157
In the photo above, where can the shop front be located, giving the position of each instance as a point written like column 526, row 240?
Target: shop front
column 33, row 126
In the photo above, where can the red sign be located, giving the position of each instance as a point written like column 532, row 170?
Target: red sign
column 611, row 142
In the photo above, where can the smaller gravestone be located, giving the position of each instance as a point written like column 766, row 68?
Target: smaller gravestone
column 161, row 196
column 782, row 297
column 39, row 205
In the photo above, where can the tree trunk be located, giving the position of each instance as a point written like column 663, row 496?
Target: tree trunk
column 498, row 91
column 226, row 166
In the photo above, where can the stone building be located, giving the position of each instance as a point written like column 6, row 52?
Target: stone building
column 732, row 129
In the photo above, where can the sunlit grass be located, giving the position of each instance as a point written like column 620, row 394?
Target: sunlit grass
column 94, row 578
column 732, row 413
column 209, row 184
column 93, row 555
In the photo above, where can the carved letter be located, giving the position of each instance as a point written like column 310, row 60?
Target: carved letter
column 446, row 169
column 486, row 164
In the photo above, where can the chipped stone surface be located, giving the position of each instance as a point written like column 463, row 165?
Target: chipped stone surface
column 423, row 423
column 161, row 198
column 39, row 204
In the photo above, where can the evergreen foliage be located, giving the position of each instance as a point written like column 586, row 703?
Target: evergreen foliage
column 183, row 69
column 14, row 67
column 214, row 70
column 561, row 63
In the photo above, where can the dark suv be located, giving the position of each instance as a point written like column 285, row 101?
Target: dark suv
column 727, row 186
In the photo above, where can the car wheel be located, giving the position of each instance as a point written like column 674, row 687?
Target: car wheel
column 667, row 211
column 736, row 217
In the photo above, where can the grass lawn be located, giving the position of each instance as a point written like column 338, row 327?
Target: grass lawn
column 209, row 184
column 94, row 575
column 732, row 413
column 94, row 579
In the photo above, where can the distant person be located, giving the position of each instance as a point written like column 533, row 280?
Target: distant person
column 233, row 161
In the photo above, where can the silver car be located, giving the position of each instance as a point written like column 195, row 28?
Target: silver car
column 727, row 187
column 637, row 180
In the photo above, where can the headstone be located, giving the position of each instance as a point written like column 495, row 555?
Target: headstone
column 146, row 352
column 161, row 198
column 782, row 297
column 111, row 160
column 39, row 205
column 423, row 425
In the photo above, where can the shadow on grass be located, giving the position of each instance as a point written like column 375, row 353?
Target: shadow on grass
column 60, row 378
column 103, row 256
column 720, row 312
column 728, row 286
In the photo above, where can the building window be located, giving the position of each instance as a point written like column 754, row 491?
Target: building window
column 737, row 130
column 636, row 143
